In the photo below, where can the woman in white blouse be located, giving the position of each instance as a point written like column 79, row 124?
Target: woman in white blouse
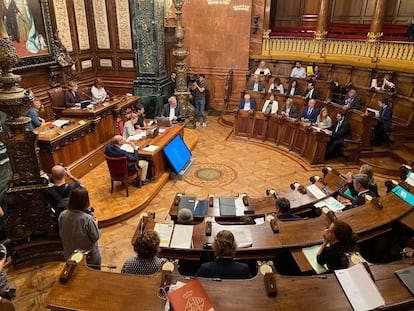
column 277, row 85
column 98, row 91
column 270, row 105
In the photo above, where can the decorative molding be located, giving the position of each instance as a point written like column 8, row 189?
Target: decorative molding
column 127, row 64
column 81, row 24
column 86, row 64
column 123, row 24
column 105, row 62
column 101, row 24
column 61, row 15
column 374, row 37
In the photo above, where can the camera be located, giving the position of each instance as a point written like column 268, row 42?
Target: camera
column 195, row 78
column 89, row 210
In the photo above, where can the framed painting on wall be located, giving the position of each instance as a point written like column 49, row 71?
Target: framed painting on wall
column 28, row 25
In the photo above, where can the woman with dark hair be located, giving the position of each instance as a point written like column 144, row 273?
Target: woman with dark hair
column 338, row 240
column 146, row 262
column 293, row 88
column 224, row 266
column 78, row 229
column 276, row 86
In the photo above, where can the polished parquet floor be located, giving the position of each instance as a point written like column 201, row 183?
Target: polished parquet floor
column 257, row 168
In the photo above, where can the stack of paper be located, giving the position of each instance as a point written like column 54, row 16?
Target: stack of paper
column 243, row 237
column 127, row 148
column 182, row 236
column 331, row 203
column 164, row 231
column 359, row 288
column 136, row 137
column 150, row 148
column 60, row 122
column 316, row 192
column 310, row 254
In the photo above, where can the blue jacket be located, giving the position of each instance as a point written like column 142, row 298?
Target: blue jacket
column 34, row 119
column 114, row 151
column 313, row 116
column 386, row 117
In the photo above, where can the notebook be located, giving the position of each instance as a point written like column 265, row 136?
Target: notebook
column 201, row 208
column 227, row 206
column 187, row 202
column 191, row 296
column 406, row 275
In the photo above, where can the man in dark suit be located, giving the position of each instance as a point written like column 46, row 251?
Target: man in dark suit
column 311, row 92
column 289, row 109
column 283, row 210
column 340, row 131
column 352, row 101
column 256, row 85
column 114, row 150
column 384, row 124
column 359, row 187
column 310, row 113
column 172, row 110
column 247, row 103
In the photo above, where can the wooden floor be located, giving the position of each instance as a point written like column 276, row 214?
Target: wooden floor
column 258, row 167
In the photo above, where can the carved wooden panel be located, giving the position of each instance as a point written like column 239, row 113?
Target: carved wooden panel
column 101, row 24
column 81, row 24
column 61, row 16
column 124, row 24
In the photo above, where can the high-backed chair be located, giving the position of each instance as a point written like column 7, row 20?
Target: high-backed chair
column 85, row 93
column 118, row 169
column 57, row 100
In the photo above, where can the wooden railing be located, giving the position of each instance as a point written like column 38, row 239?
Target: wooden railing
column 381, row 54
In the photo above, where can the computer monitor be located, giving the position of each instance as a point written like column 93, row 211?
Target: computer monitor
column 177, row 154
column 163, row 121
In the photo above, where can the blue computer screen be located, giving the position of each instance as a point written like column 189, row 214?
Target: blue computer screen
column 177, row 153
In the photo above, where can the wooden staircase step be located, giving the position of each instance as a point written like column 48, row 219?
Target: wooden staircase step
column 386, row 165
column 409, row 146
column 406, row 155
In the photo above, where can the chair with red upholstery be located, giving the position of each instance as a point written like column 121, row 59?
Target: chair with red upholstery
column 120, row 126
column 118, row 168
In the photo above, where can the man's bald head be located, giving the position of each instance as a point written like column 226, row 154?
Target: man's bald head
column 58, row 173
column 117, row 140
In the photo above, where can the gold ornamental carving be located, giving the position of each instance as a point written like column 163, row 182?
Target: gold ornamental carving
column 373, row 37
column 320, row 35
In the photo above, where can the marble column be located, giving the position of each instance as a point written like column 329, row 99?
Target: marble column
column 152, row 82
column 375, row 33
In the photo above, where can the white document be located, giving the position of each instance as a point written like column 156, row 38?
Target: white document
column 243, row 237
column 359, row 288
column 374, row 111
column 316, row 192
column 410, row 179
column 331, row 203
column 150, row 148
column 135, row 137
column 60, row 122
column 127, row 148
column 164, row 231
column 182, row 236
column 310, row 254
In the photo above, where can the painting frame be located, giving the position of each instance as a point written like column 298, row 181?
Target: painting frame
column 40, row 19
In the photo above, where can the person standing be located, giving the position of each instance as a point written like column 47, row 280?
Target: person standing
column 78, row 229
column 200, row 99
column 385, row 122
column 33, row 114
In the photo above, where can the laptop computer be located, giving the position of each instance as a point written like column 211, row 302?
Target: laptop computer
column 406, row 276
column 163, row 121
column 85, row 103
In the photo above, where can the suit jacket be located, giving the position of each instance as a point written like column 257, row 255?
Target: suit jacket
column 166, row 111
column 354, row 104
column 297, row 91
column 71, row 100
column 275, row 106
column 293, row 112
column 344, row 131
column 115, row 151
column 252, row 104
column 313, row 116
column 386, row 117
column 224, row 268
column 315, row 94
column 260, row 88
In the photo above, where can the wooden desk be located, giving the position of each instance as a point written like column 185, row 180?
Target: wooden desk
column 92, row 290
column 296, row 136
column 57, row 145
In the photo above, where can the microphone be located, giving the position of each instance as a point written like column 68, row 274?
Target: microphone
column 110, row 266
column 86, row 95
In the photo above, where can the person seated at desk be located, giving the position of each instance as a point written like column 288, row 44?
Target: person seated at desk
column 382, row 83
column 352, row 101
column 256, row 85
column 247, row 103
column 262, row 69
column 367, row 170
column 185, row 216
column 358, row 185
column 33, row 114
column 317, row 75
column 224, row 267
column 72, row 96
column 298, row 71
column 338, row 240
column 141, row 116
column 289, row 109
column 79, row 229
column 129, row 126
column 310, row 113
column 324, row 120
column 276, row 86
column 146, row 261
column 283, row 210
column 98, row 92
column 339, row 131
column 271, row 105
column 385, row 122
column 114, row 150
column 293, row 88
column 172, row 110
column 311, row 93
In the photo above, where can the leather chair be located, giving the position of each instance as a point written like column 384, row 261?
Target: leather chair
column 57, row 100
column 85, row 93
column 118, row 169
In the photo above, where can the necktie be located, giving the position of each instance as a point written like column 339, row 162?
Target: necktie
column 309, row 111
column 338, row 126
